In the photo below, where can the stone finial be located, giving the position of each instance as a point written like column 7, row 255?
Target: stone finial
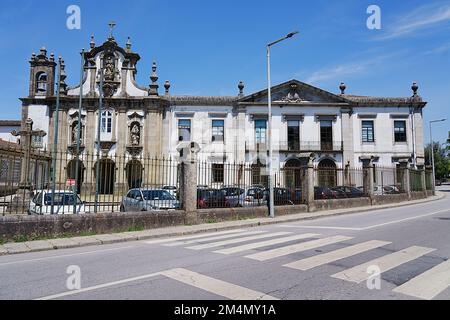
column 33, row 56
column 63, row 76
column 154, row 78
column 92, row 43
column 167, row 87
column 414, row 88
column 52, row 57
column 43, row 51
column 128, row 45
column 241, row 87
column 342, row 87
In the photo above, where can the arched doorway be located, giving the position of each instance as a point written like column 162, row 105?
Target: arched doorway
column 134, row 174
column 72, row 172
column 107, row 176
column 293, row 173
column 327, row 173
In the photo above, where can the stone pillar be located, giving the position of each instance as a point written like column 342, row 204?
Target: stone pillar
column 308, row 188
column 404, row 165
column 91, row 135
column 121, row 160
column 368, row 177
column 189, row 191
column 347, row 135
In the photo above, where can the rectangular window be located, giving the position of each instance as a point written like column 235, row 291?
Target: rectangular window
column 261, row 131
column 184, row 130
column 217, row 173
column 400, row 131
column 326, row 135
column 294, row 135
column 367, row 131
column 218, row 128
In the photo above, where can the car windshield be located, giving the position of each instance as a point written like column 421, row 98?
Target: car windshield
column 157, row 195
column 61, row 199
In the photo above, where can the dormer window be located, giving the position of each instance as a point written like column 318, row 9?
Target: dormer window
column 41, row 83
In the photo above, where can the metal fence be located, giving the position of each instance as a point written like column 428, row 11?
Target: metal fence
column 388, row 180
column 338, row 183
column 100, row 184
column 429, row 179
column 222, row 185
column 415, row 180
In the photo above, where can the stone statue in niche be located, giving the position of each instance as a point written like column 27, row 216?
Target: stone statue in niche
column 75, row 133
column 135, row 134
column 110, row 69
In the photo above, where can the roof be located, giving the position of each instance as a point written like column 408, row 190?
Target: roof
column 10, row 123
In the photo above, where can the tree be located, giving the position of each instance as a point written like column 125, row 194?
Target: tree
column 441, row 159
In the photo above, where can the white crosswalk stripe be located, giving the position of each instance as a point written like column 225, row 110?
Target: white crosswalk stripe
column 267, row 243
column 359, row 273
column 429, row 284
column 203, row 235
column 215, row 286
column 227, row 236
column 239, row 240
column 321, row 259
column 300, row 247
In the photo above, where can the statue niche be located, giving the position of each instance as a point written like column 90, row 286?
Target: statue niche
column 111, row 75
column 135, row 134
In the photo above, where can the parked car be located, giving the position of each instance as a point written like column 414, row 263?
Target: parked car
column 234, row 196
column 254, row 196
column 63, row 202
column 350, row 192
column 172, row 190
column 323, row 193
column 391, row 190
column 282, row 197
column 338, row 193
column 210, row 198
column 438, row 182
column 148, row 200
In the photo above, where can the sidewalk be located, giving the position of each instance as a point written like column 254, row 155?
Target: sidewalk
column 75, row 242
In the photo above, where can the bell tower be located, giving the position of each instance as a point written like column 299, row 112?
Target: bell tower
column 42, row 74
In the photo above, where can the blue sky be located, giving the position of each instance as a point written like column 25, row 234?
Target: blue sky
column 206, row 47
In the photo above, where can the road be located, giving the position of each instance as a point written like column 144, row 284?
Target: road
column 337, row 257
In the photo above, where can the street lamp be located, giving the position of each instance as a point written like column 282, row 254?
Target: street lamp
column 432, row 151
column 269, row 134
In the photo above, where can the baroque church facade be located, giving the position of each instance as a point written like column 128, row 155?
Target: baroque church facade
column 338, row 129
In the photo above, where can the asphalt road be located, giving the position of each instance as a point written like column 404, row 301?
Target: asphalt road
column 399, row 253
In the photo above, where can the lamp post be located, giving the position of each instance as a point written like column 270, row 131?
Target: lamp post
column 269, row 132
column 432, row 151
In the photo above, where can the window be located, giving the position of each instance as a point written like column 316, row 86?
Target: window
column 184, row 130
column 218, row 127
column 367, row 131
column 293, row 135
column 37, row 142
column 41, row 83
column 326, row 135
column 261, row 131
column 400, row 131
column 217, row 173
column 106, row 126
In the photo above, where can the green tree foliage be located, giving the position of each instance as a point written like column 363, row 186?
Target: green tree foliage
column 441, row 159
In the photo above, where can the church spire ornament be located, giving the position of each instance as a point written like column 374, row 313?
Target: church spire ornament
column 153, row 91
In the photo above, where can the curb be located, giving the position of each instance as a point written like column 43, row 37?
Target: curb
column 104, row 239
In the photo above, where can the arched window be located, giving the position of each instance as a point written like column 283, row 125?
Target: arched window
column 41, row 83
column 106, row 122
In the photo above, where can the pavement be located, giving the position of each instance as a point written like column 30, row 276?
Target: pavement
column 396, row 253
column 74, row 242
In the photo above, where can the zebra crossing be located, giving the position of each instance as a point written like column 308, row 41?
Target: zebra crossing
column 427, row 285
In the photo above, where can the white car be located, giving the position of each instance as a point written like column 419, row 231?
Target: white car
column 63, row 203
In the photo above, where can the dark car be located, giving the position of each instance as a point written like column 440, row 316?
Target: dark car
column 350, row 192
column 282, row 197
column 323, row 193
column 210, row 198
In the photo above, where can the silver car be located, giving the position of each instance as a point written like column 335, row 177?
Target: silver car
column 148, row 200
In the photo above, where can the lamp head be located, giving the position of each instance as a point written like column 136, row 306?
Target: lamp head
column 290, row 35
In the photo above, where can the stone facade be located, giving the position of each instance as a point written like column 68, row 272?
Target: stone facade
column 139, row 122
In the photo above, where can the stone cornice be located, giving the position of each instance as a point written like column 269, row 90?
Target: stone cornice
column 202, row 100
